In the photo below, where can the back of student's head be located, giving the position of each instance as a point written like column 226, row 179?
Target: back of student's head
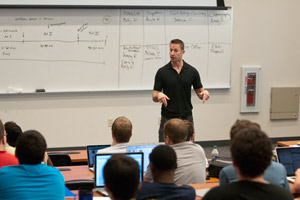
column 30, row 147
column 163, row 158
column 1, row 130
column 251, row 151
column 13, row 131
column 176, row 130
column 241, row 124
column 122, row 175
column 122, row 129
column 190, row 127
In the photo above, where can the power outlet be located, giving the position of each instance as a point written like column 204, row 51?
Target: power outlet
column 110, row 122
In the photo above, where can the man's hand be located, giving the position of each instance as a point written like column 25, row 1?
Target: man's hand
column 204, row 95
column 162, row 98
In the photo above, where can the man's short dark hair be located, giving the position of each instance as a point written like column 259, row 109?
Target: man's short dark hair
column 121, row 176
column 190, row 127
column 1, row 130
column 178, row 41
column 13, row 131
column 30, row 147
column 176, row 130
column 241, row 124
column 251, row 151
column 122, row 129
column 163, row 158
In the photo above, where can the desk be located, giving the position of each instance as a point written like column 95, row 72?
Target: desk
column 77, row 172
column 83, row 172
column 75, row 157
column 287, row 143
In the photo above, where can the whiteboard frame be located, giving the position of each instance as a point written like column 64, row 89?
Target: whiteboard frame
column 134, row 4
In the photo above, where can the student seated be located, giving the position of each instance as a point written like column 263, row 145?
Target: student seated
column 31, row 180
column 228, row 174
column 13, row 131
column 121, row 177
column 163, row 163
column 6, row 159
column 191, row 160
column 121, row 132
column 251, row 151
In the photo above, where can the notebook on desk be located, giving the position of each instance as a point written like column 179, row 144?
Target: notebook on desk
column 145, row 148
column 289, row 157
column 100, row 161
column 91, row 151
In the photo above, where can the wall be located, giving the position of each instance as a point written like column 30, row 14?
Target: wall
column 265, row 33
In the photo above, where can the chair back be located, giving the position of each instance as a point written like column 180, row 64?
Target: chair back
column 80, row 184
column 60, row 159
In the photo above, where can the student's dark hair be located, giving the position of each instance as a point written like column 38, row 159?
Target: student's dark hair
column 251, row 151
column 1, row 130
column 163, row 158
column 176, row 130
column 13, row 131
column 121, row 176
column 122, row 129
column 190, row 127
column 30, row 147
column 241, row 124
column 178, row 41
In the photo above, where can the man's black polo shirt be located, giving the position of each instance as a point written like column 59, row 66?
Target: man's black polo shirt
column 178, row 88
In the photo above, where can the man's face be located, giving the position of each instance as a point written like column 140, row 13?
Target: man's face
column 176, row 52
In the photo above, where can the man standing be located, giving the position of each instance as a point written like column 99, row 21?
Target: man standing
column 172, row 87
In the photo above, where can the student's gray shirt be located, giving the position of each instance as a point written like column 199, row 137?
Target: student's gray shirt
column 191, row 164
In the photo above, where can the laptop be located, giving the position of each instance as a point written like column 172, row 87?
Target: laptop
column 146, row 149
column 100, row 161
column 289, row 157
column 91, row 151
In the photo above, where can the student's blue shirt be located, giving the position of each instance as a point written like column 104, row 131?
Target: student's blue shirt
column 275, row 174
column 34, row 182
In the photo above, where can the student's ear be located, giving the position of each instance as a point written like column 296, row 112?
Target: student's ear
column 167, row 140
column 236, row 168
column 192, row 138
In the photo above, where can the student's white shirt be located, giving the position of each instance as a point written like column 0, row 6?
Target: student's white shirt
column 118, row 148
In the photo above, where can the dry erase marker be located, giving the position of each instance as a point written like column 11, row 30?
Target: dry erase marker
column 40, row 90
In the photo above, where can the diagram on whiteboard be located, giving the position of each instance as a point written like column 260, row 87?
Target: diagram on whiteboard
column 109, row 49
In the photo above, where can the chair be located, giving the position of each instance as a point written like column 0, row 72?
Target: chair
column 80, row 183
column 60, row 159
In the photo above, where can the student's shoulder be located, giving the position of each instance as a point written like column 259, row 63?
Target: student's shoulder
column 218, row 193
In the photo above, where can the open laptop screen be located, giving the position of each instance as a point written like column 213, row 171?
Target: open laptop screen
column 91, row 151
column 101, row 159
column 146, row 149
column 290, row 158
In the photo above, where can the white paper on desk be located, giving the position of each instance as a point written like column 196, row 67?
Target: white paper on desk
column 202, row 192
column 101, row 198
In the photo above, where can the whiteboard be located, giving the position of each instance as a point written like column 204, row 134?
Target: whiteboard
column 70, row 50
